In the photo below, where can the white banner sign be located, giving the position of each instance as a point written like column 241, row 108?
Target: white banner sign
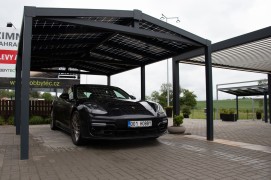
column 9, row 40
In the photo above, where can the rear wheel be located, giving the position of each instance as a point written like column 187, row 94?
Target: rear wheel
column 53, row 123
column 76, row 129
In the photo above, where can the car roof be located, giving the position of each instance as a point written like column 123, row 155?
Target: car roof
column 94, row 85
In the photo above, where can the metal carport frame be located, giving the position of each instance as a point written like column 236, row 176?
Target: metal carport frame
column 249, row 52
column 252, row 90
column 100, row 42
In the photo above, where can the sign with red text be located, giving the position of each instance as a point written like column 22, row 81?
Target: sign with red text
column 9, row 40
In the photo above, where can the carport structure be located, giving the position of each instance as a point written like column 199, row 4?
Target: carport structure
column 251, row 90
column 249, row 52
column 99, row 42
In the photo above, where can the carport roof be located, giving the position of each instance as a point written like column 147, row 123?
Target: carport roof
column 246, row 90
column 248, row 52
column 102, row 42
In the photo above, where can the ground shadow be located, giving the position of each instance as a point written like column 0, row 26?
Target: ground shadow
column 121, row 144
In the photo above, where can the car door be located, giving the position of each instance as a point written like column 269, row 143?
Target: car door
column 60, row 106
column 65, row 109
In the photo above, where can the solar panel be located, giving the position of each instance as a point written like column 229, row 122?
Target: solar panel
column 103, row 50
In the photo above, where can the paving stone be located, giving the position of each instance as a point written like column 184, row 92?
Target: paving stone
column 53, row 156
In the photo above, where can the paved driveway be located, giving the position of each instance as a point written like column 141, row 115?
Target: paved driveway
column 53, row 156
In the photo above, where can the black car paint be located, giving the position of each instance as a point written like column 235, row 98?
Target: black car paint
column 119, row 112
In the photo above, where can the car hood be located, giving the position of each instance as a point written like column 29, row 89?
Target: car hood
column 116, row 107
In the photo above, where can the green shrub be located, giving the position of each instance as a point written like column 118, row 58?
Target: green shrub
column 36, row 120
column 168, row 107
column 224, row 111
column 227, row 111
column 177, row 120
column 2, row 120
column 11, row 120
column 39, row 120
column 186, row 110
column 47, row 120
column 231, row 111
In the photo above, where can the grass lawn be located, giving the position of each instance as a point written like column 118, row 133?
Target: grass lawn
column 245, row 108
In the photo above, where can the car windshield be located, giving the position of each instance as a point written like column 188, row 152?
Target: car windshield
column 101, row 92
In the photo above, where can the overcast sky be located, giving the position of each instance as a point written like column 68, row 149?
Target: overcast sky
column 215, row 20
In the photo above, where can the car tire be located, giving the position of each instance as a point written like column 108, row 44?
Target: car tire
column 76, row 129
column 53, row 122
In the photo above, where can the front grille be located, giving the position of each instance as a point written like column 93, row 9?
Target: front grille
column 126, row 108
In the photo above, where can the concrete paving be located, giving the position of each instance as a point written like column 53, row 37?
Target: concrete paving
column 53, row 156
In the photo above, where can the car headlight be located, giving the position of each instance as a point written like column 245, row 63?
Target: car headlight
column 160, row 110
column 96, row 109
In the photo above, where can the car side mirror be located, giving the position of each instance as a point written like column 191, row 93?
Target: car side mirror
column 64, row 96
column 132, row 97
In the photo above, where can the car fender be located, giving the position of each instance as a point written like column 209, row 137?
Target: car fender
column 85, row 119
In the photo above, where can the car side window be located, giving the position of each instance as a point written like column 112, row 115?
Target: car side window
column 119, row 95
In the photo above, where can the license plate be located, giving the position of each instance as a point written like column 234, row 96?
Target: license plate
column 135, row 124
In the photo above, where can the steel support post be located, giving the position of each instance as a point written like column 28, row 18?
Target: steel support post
column 26, row 58
column 237, row 108
column 217, row 106
column 143, row 87
column 108, row 80
column 269, row 95
column 265, row 108
column 176, row 87
column 253, row 112
column 209, row 93
column 18, row 93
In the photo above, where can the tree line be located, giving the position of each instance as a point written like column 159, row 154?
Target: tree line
column 10, row 94
column 187, row 98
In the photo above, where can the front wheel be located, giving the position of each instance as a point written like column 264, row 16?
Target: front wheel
column 76, row 129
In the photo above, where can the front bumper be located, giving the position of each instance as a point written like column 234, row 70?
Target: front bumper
column 117, row 127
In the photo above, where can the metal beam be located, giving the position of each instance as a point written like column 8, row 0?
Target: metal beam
column 245, row 90
column 236, row 41
column 209, row 93
column 118, row 62
column 243, row 39
column 50, row 42
column 269, row 95
column 132, row 50
column 190, row 54
column 108, row 80
column 26, row 58
column 143, row 85
column 124, row 29
column 188, row 35
column 154, row 42
column 18, row 85
column 237, row 108
column 116, row 56
column 61, row 71
column 105, row 39
column 231, row 67
column 265, row 108
column 18, row 93
column 60, row 30
column 68, row 12
column 176, row 87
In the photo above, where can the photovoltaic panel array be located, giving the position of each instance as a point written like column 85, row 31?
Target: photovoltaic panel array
column 105, row 45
